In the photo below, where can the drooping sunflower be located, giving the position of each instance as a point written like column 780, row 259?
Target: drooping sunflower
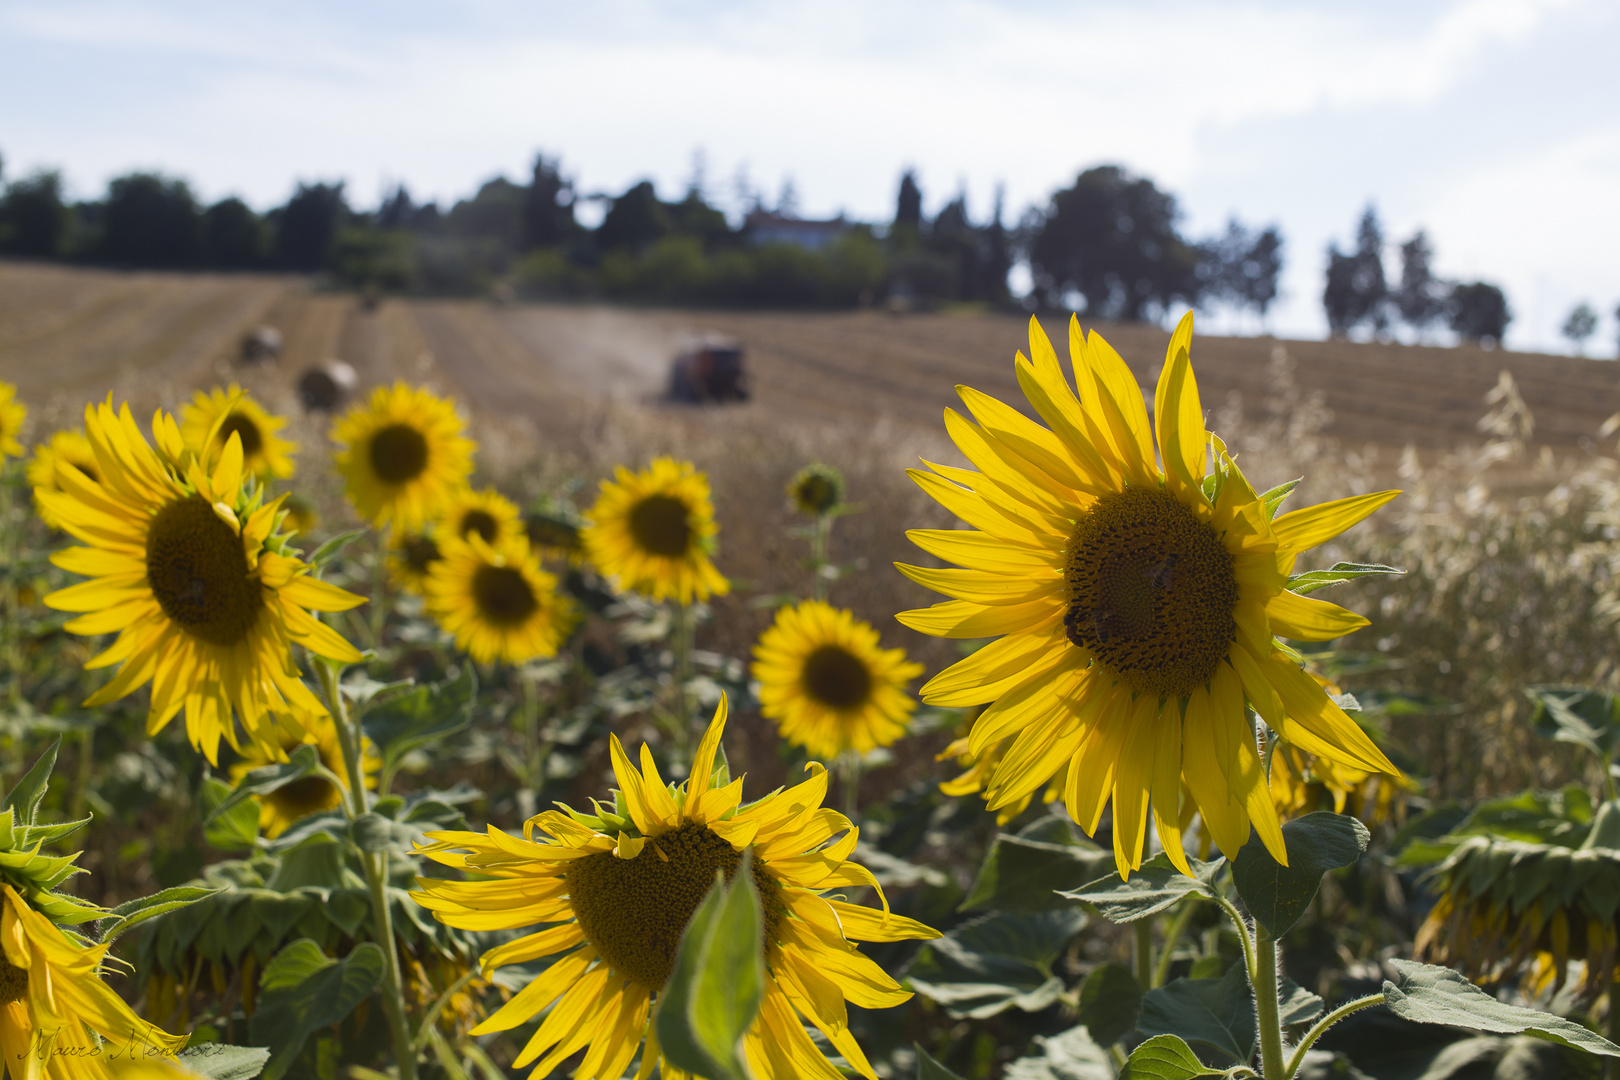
column 285, row 806
column 1135, row 606
column 403, row 455
column 653, row 532
column 187, row 567
column 52, row 998
column 12, row 415
column 213, row 416
column 617, row 888
column 497, row 601
column 410, row 560
column 827, row 684
column 69, row 448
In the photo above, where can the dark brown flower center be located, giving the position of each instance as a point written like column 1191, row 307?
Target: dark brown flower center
column 13, row 981
column 817, row 494
column 660, row 526
column 633, row 910
column 199, row 574
column 481, row 522
column 420, row 553
column 1151, row 592
column 398, row 453
column 304, row 796
column 836, row 679
column 503, row 595
column 244, row 429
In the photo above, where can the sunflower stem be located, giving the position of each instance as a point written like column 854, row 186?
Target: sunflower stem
column 375, row 864
column 538, row 749
column 1178, row 925
column 849, row 774
column 1267, row 1009
column 379, row 587
column 818, row 556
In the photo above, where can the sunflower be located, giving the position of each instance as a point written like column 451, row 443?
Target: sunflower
column 826, row 683
column 403, row 455
column 1135, row 607
column 187, row 567
column 497, row 601
column 12, row 415
column 52, row 999
column 617, row 887
column 213, row 416
column 68, row 449
column 411, row 559
column 487, row 513
column 816, row 490
column 313, row 794
column 653, row 532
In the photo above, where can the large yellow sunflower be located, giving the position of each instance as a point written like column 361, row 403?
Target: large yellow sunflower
column 69, row 448
column 486, row 513
column 653, row 532
column 403, row 455
column 213, row 416
column 615, row 892
column 12, row 415
column 497, row 601
column 52, row 999
column 827, row 684
column 187, row 568
column 285, row 806
column 1135, row 607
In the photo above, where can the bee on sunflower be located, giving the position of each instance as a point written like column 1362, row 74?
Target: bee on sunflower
column 497, row 601
column 12, row 415
column 825, row 681
column 284, row 807
column 616, row 888
column 1135, row 606
column 65, row 448
column 187, row 567
column 402, row 455
column 653, row 532
column 213, row 416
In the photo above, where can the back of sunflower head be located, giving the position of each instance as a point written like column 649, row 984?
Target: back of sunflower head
column 22, row 837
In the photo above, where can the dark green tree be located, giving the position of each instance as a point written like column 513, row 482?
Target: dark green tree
column 1112, row 238
column 1580, row 325
column 1241, row 266
column 233, row 236
column 306, row 226
column 908, row 206
column 1421, row 298
column 548, row 208
column 1356, row 292
column 495, row 214
column 635, row 221
column 151, row 220
column 34, row 222
column 1479, row 312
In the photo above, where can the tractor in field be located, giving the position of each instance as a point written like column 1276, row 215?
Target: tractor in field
column 711, row 371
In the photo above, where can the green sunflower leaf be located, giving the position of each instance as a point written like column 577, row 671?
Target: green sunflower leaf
column 1165, row 1057
column 1072, row 1055
column 718, row 981
column 1278, row 895
column 263, row 781
column 303, row 990
column 1110, row 1003
column 996, row 962
column 132, row 913
column 1312, row 580
column 218, row 1061
column 29, row 792
column 334, row 547
column 1025, row 875
column 1217, row 1014
column 1155, row 887
column 419, row 716
column 237, row 828
column 930, row 1069
column 1575, row 714
column 1437, row 995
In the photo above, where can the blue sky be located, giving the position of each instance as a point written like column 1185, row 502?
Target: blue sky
column 1492, row 123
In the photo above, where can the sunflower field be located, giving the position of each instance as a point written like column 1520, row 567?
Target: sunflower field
column 335, row 759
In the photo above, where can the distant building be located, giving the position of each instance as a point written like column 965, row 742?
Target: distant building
column 763, row 227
